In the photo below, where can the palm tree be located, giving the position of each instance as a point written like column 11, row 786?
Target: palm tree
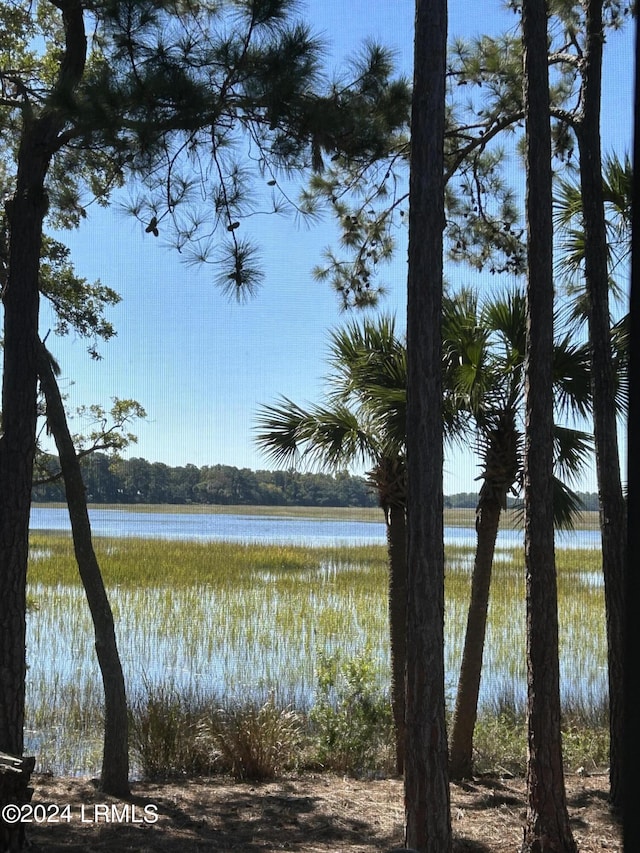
column 617, row 192
column 483, row 348
column 363, row 421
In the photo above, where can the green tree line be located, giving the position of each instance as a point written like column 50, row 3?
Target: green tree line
column 137, row 481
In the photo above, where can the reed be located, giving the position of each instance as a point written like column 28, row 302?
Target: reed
column 248, row 621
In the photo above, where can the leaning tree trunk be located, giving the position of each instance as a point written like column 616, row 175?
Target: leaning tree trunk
column 114, row 778
column 397, row 550
column 547, row 825
column 501, row 463
column 612, row 504
column 427, row 803
column 466, row 706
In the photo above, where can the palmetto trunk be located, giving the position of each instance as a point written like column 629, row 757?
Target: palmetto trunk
column 501, row 459
column 465, row 711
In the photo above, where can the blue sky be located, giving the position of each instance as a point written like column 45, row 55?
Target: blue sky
column 201, row 365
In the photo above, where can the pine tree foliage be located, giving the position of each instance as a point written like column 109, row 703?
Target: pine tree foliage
column 201, row 103
column 483, row 159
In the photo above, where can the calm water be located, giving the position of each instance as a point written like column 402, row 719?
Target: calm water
column 266, row 528
column 191, row 653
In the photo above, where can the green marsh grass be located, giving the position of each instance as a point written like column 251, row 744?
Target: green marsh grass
column 249, row 622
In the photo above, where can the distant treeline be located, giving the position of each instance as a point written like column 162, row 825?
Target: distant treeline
column 131, row 481
column 465, row 500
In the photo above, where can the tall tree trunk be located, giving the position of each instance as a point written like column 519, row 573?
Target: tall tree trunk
column 547, row 823
column 631, row 825
column 466, row 707
column 427, row 803
column 114, row 778
column 25, row 213
column 397, row 550
column 612, row 504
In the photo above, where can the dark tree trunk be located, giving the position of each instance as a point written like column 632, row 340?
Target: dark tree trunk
column 631, row 825
column 25, row 213
column 427, row 804
column 115, row 760
column 547, row 822
column 397, row 549
column 15, row 775
column 612, row 504
column 466, row 707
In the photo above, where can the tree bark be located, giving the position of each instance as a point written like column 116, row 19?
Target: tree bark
column 25, row 213
column 427, row 803
column 630, row 824
column 466, row 707
column 114, row 777
column 397, row 550
column 547, row 822
column 603, row 385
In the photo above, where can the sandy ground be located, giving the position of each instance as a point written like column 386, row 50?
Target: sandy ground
column 314, row 813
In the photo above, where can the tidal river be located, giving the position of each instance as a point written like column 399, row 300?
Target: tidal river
column 276, row 529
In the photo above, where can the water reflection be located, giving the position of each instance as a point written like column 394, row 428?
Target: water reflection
column 275, row 529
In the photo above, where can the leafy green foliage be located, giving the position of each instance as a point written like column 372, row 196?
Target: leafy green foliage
column 483, row 149
column 351, row 717
column 79, row 305
column 111, row 479
column 484, row 348
column 617, row 183
column 107, row 431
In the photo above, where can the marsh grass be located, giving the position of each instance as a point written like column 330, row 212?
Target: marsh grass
column 253, row 741
column 164, row 727
column 238, row 624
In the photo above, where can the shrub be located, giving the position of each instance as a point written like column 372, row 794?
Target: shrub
column 351, row 718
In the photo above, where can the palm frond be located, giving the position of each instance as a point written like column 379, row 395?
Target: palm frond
column 506, row 317
column 566, row 505
column 620, row 346
column 330, row 437
column 573, row 448
column 571, row 377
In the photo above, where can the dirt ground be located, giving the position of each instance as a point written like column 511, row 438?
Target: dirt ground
column 311, row 813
